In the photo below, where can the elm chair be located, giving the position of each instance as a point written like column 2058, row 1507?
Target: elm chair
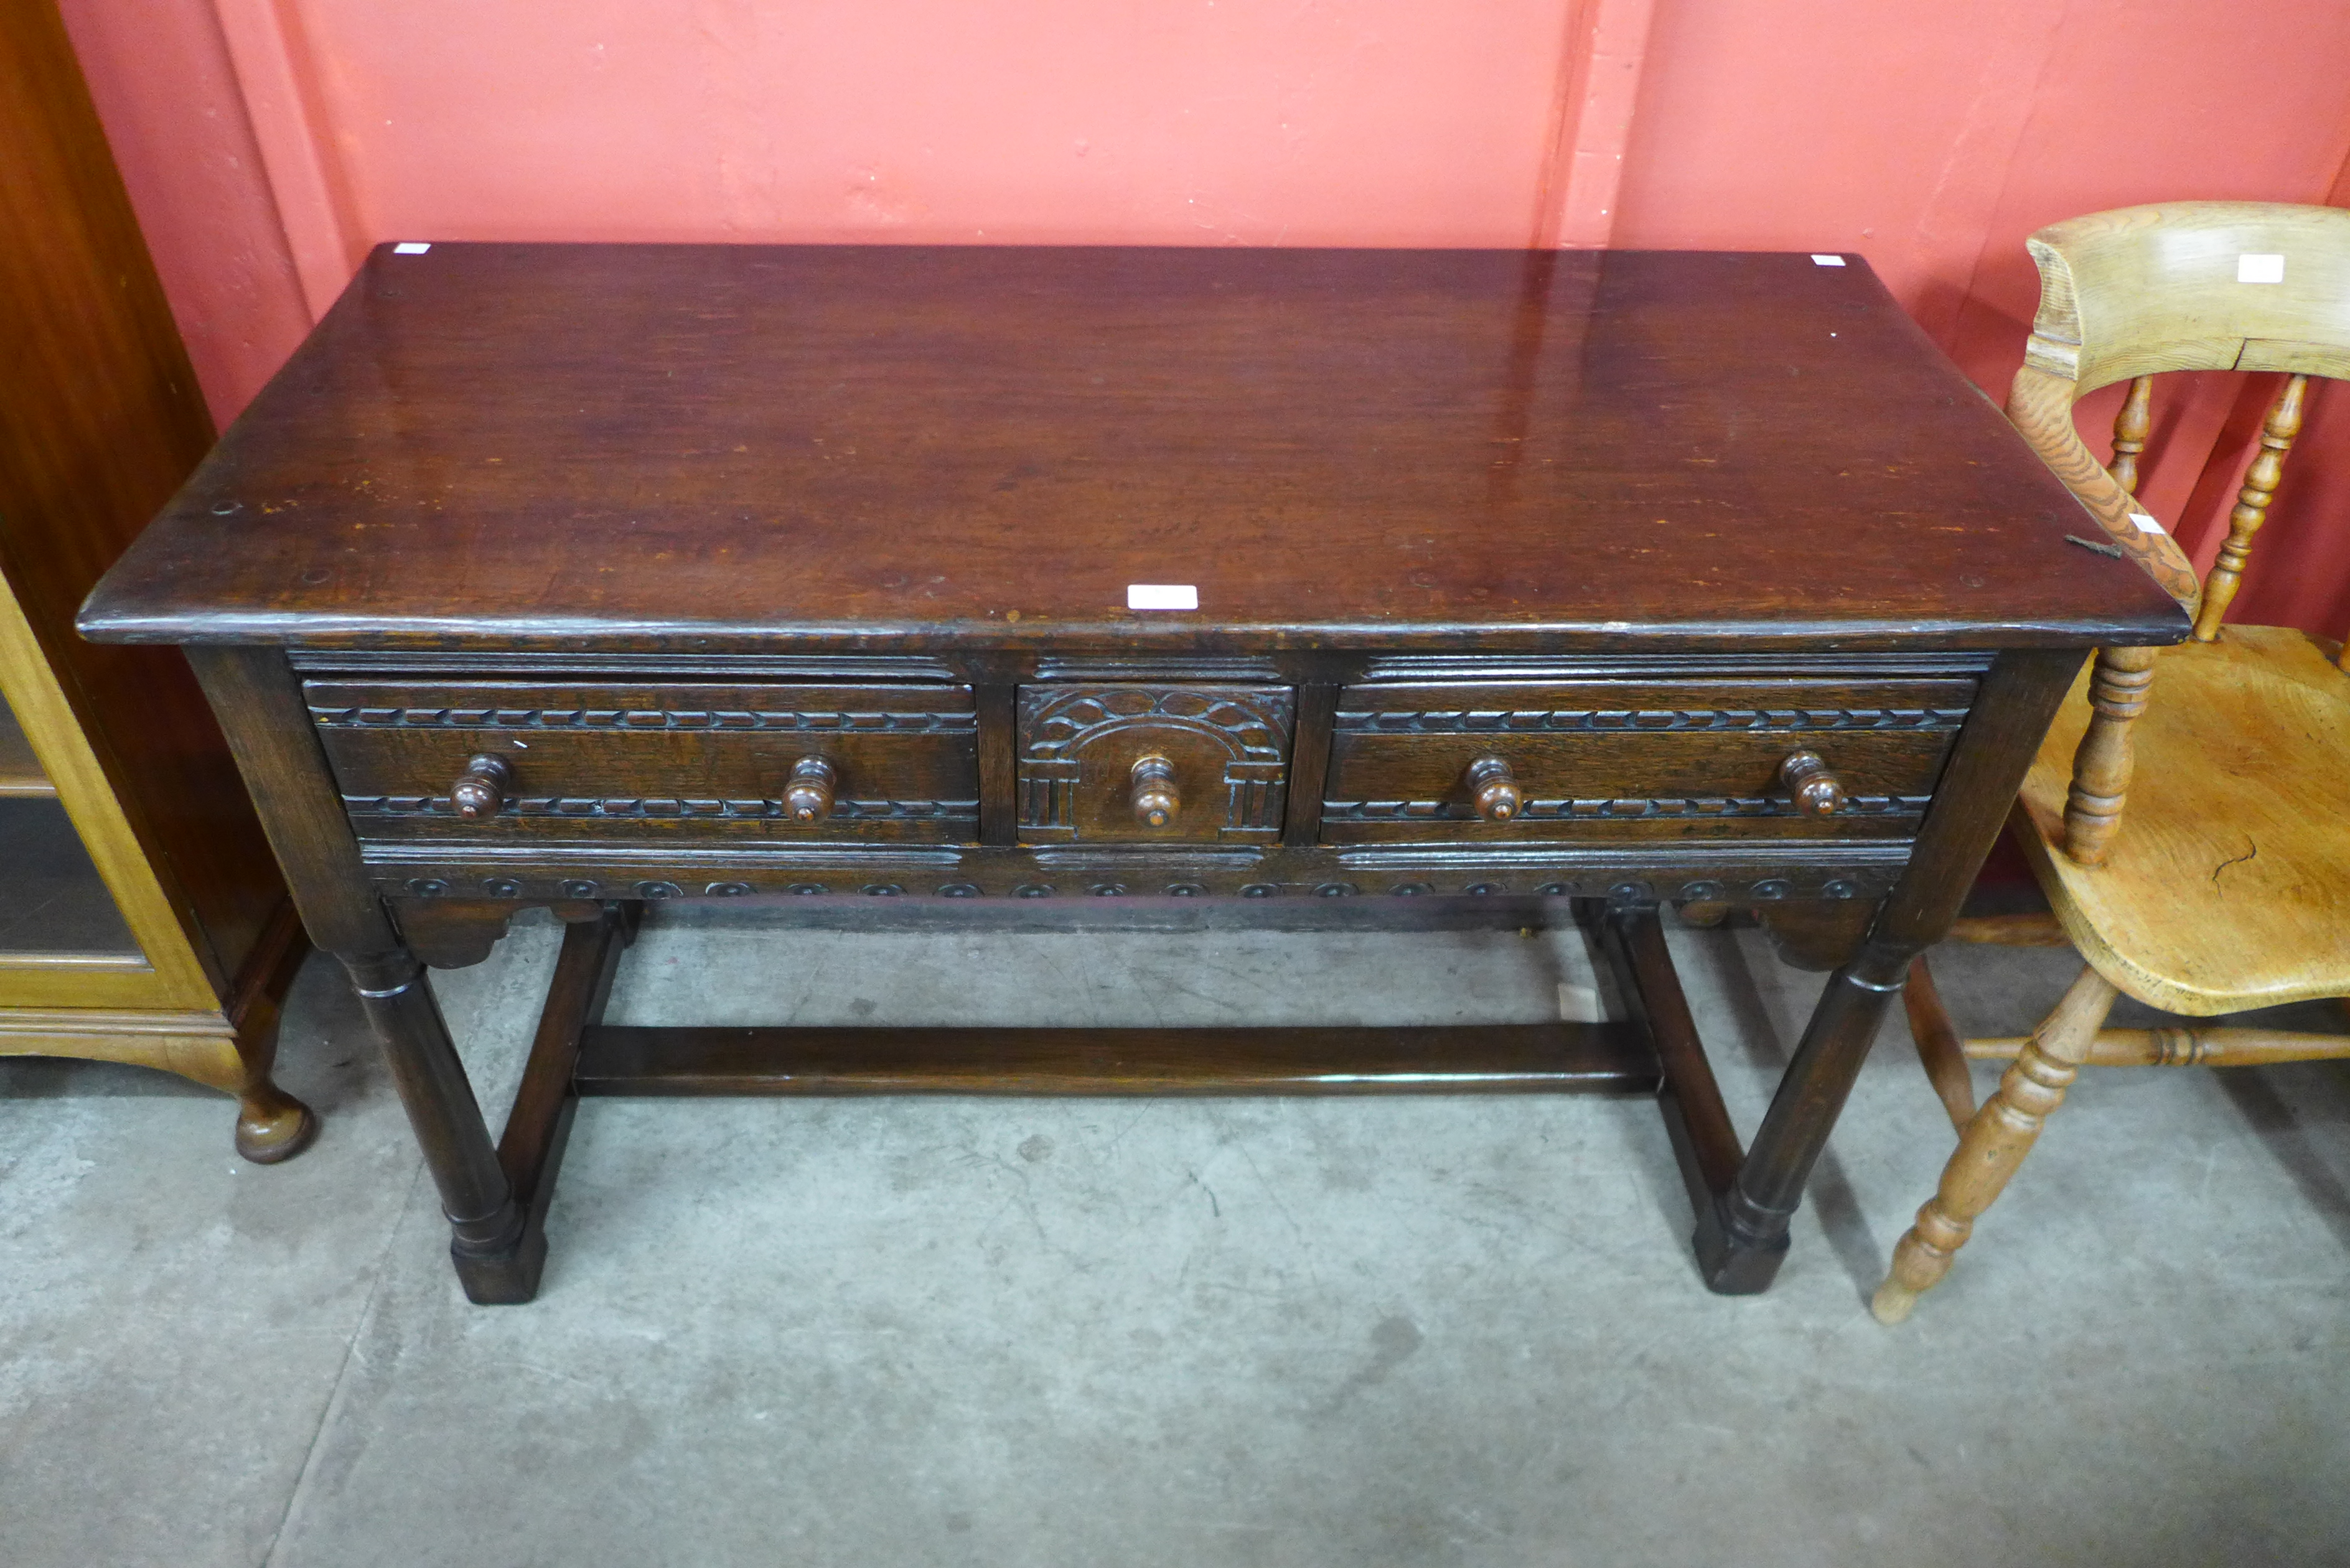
column 2224, row 887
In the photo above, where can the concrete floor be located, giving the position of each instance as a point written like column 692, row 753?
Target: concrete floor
column 1358, row 1332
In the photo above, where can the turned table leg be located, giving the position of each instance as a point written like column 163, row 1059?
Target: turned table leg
column 487, row 1236
column 1994, row 1144
column 266, row 720
column 1742, row 1240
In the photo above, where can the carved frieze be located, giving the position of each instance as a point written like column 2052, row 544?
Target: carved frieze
column 1696, row 807
column 1599, row 720
column 655, row 807
column 631, row 719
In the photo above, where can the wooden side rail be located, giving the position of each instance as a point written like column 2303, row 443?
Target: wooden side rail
column 2182, row 1045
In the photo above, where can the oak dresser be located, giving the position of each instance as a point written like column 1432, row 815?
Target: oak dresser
column 1295, row 582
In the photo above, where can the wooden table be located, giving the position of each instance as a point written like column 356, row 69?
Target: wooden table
column 586, row 576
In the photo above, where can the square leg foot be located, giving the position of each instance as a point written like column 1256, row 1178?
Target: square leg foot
column 1735, row 1266
column 503, row 1279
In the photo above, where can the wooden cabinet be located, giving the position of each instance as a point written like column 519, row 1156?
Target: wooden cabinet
column 142, row 919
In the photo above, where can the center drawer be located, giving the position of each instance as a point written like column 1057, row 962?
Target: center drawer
column 491, row 762
column 1616, row 761
column 1144, row 762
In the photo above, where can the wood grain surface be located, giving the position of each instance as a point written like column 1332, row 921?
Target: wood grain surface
column 2223, row 890
column 713, row 447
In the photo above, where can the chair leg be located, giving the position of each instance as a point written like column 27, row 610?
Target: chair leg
column 1994, row 1143
column 1940, row 1051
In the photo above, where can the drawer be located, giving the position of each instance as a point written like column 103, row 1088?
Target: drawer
column 1135, row 763
column 1606, row 762
column 647, row 762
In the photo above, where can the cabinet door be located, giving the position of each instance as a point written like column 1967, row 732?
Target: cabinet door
column 83, row 921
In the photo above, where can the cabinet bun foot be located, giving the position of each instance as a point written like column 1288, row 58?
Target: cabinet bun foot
column 273, row 1126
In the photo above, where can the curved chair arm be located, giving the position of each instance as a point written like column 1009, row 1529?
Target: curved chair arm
column 2040, row 403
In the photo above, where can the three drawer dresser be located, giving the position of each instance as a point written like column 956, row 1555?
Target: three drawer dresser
column 1281, row 583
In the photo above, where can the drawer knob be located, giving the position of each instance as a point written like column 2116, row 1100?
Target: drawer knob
column 1817, row 791
column 808, row 794
column 1493, row 790
column 1156, row 798
column 481, row 788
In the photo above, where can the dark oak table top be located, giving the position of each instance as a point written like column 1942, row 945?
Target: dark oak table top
column 708, row 447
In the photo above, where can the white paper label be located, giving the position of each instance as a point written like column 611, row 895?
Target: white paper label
column 1161, row 595
column 2254, row 268
column 2146, row 524
column 412, row 247
column 1579, row 1004
column 1828, row 261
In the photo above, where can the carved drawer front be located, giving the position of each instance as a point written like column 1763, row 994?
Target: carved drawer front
column 496, row 762
column 1620, row 761
column 1145, row 762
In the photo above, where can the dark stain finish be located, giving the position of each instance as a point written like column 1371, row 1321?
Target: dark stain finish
column 697, row 447
column 593, row 577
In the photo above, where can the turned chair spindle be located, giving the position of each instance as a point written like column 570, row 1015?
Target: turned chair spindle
column 2130, row 428
column 2277, row 433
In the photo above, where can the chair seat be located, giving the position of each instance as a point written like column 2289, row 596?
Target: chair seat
column 2228, row 886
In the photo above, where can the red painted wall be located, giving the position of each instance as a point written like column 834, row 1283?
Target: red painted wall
column 160, row 73
column 1381, row 122
column 268, row 142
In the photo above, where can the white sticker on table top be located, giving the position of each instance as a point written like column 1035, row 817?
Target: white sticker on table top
column 2146, row 522
column 1161, row 595
column 2253, row 267
column 412, row 247
column 1818, row 260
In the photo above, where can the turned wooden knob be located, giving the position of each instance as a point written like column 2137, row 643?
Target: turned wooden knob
column 481, row 788
column 1156, row 798
column 1493, row 790
column 808, row 795
column 1817, row 792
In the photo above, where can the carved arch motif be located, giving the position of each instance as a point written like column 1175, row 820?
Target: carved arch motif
column 1064, row 728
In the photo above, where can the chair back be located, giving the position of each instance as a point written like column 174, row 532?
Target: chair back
column 2193, row 285
column 2180, row 286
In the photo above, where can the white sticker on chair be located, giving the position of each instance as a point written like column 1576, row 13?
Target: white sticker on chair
column 2146, row 522
column 412, row 247
column 1828, row 261
column 1161, row 595
column 2251, row 267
